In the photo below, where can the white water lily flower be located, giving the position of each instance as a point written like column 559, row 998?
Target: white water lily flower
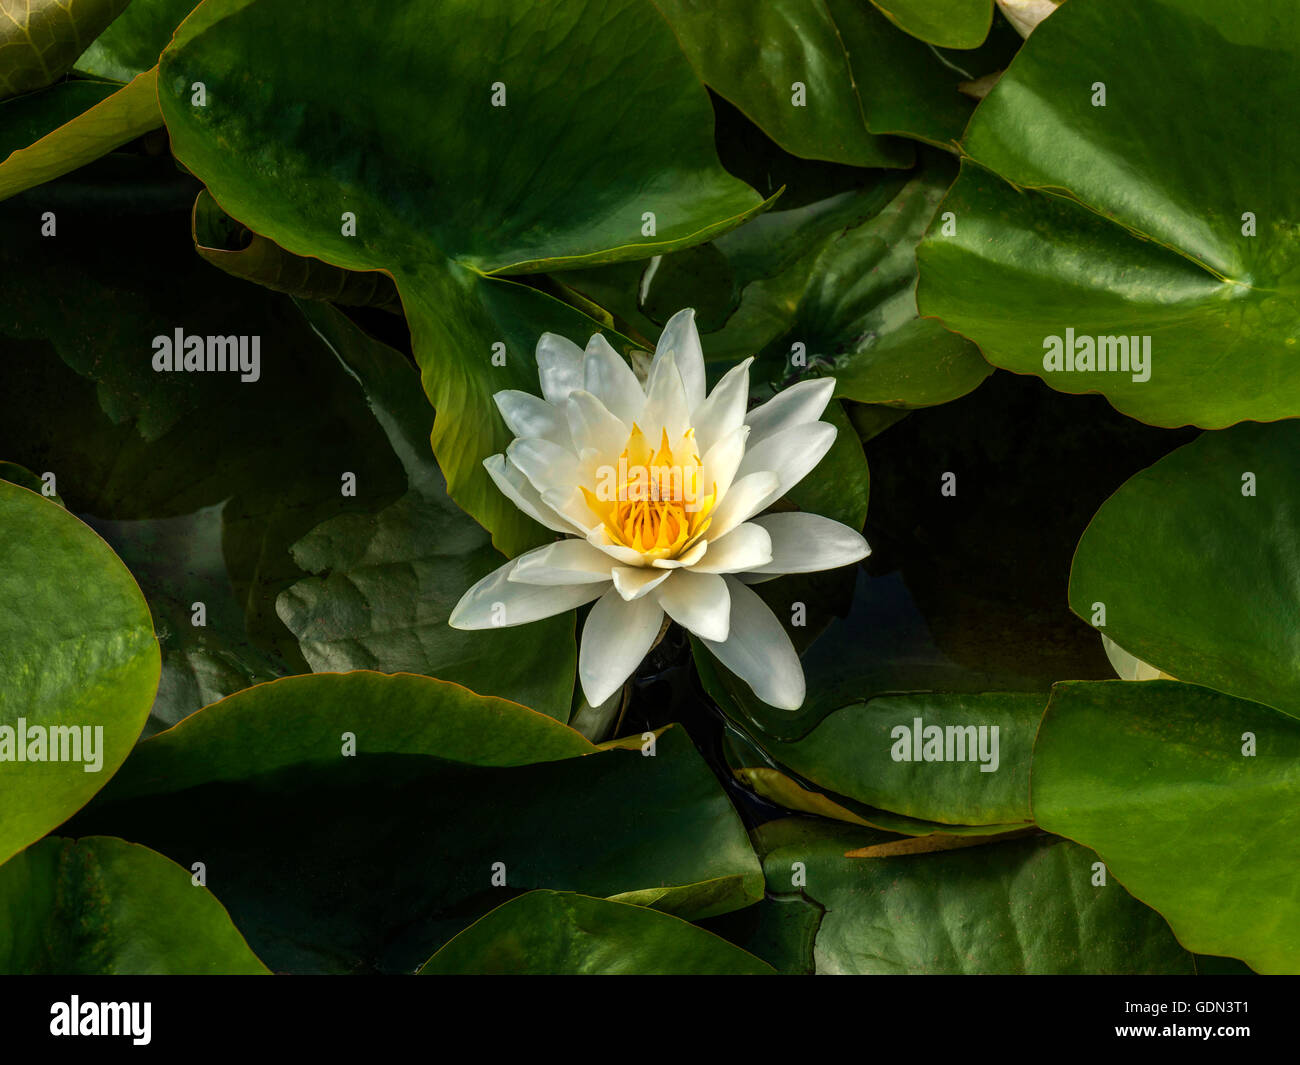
column 656, row 490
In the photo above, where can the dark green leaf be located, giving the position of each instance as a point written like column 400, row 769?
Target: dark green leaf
column 27, row 119
column 1020, row 906
column 947, row 23
column 200, row 481
column 334, row 863
column 780, row 931
column 829, row 288
column 387, row 582
column 99, row 906
column 136, row 38
column 230, row 247
column 861, row 77
column 560, row 933
column 205, row 485
column 876, row 753
column 108, row 123
column 757, row 56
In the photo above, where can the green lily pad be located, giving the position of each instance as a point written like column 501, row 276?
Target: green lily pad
column 947, row 23
column 1194, row 561
column 79, row 664
column 862, row 78
column 16, row 473
column 822, row 283
column 561, row 933
column 856, row 312
column 447, row 188
column 27, row 119
column 755, row 767
column 342, row 863
column 109, row 122
column 40, row 41
column 824, row 288
column 1191, row 799
column 1105, row 220
column 877, row 753
column 785, row 791
column 779, row 930
column 1018, row 906
column 99, row 906
column 228, row 246
column 910, row 88
column 135, row 39
column 386, row 583
column 801, row 47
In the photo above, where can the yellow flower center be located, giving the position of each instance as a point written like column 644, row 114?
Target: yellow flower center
column 651, row 501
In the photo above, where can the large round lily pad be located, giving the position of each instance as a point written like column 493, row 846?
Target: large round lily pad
column 1192, row 798
column 79, row 665
column 1123, row 198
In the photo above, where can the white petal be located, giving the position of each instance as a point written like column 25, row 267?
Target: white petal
column 790, row 454
column 634, row 582
column 545, row 464
column 599, row 537
column 569, row 505
column 559, row 366
column 569, row 561
column 758, row 650
column 528, row 415
column 608, row 377
column 806, row 543
column 699, row 602
column 517, row 488
column 724, row 410
column 681, row 340
column 615, row 639
column 722, row 460
column 665, row 402
column 1125, row 665
column 795, row 405
column 691, row 556
column 745, row 498
column 746, row 548
column 591, row 425
column 497, row 602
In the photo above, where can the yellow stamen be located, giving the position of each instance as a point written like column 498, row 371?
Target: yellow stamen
column 658, row 510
